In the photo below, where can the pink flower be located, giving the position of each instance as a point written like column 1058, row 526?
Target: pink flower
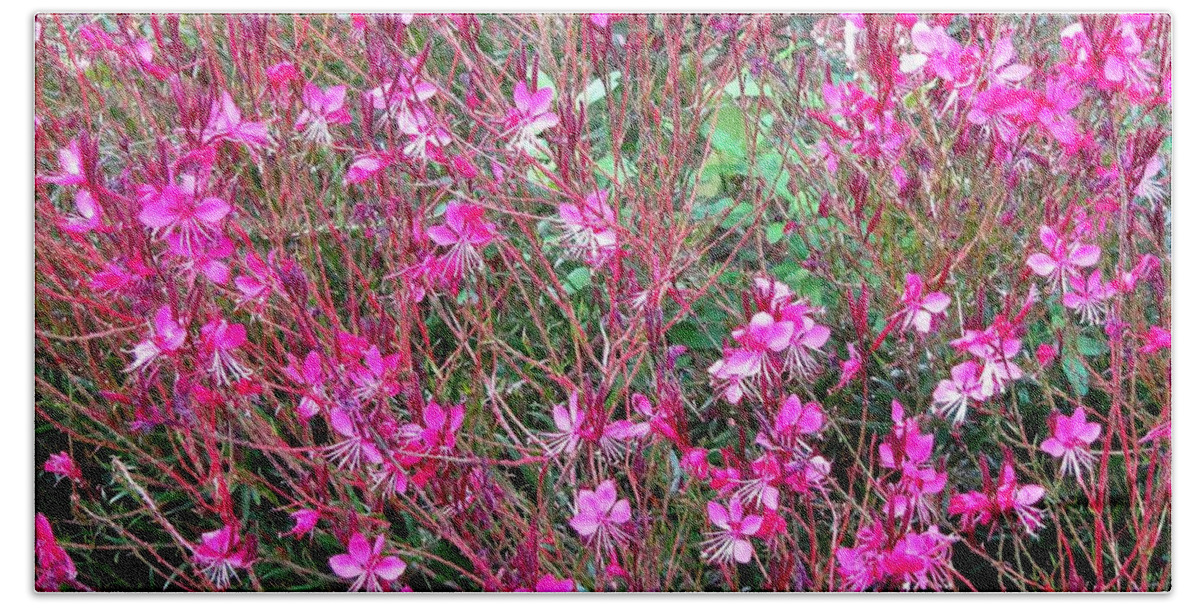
column 203, row 256
column 375, row 375
column 54, row 565
column 1003, row 70
column 530, row 117
column 70, row 164
column 1061, row 96
column 731, row 541
column 906, row 444
column 1069, row 439
column 600, row 516
column 549, row 584
column 792, row 422
column 919, row 309
column 175, row 209
column 311, row 375
column 366, row 167
column 589, row 227
column 941, row 54
column 219, row 554
column 851, row 367
column 166, row 336
column 87, row 214
column 1157, row 338
column 306, row 521
column 1045, row 354
column 219, row 339
column 425, row 137
column 322, row 108
column 356, row 448
column 996, row 347
column 1088, row 297
column 225, row 123
column 1003, row 497
column 1062, row 259
column 63, row 467
column 367, row 565
column 808, row 337
column 1005, row 111
column 465, row 233
column 951, row 398
column 917, row 560
column 282, row 73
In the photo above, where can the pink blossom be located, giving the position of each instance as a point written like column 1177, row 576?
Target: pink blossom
column 54, row 565
column 1045, row 354
column 366, row 565
column 219, row 554
column 808, row 337
column 63, row 467
column 1069, row 439
column 176, row 209
column 1005, row 111
column 282, row 73
column 920, row 308
column 356, row 449
column 426, row 138
column 996, row 347
column 219, row 339
column 530, row 117
column 550, row 584
column 87, row 214
column 70, row 166
column 1157, row 338
column 916, row 560
column 311, row 376
column 1000, row 498
column 375, row 374
column 306, row 521
column 600, row 516
column 366, row 167
column 1003, row 70
column 323, row 107
column 1062, row 259
column 590, row 227
column 465, row 233
column 166, row 336
column 225, row 123
column 851, row 367
column 731, row 541
column 1088, row 298
column 952, row 397
column 204, row 256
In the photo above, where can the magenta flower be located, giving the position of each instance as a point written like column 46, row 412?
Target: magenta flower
column 311, row 376
column 851, row 367
column 1069, row 439
column 1157, row 338
column 763, row 333
column 356, row 448
column 322, row 107
column 219, row 339
column 366, row 565
column 1045, row 354
column 530, row 117
column 917, row 560
column 70, row 166
column 906, row 444
column 1062, row 259
column 1004, row 111
column 465, row 233
column 1003, row 70
column 589, row 227
column 175, row 209
column 919, row 308
column 425, row 137
column 306, row 521
column 282, row 73
column 225, row 124
column 376, row 375
column 942, row 55
column 599, row 516
column 220, row 554
column 731, row 541
column 87, row 214
column 808, row 337
column 1088, row 298
column 996, row 347
column 550, row 584
column 63, row 467
column 999, row 499
column 366, row 167
column 952, row 398
column 204, row 257
column 793, row 421
column 166, row 336
column 54, row 565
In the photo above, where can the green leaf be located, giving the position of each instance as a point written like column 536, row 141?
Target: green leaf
column 1091, row 347
column 774, row 232
column 578, row 279
column 1077, row 375
column 595, row 91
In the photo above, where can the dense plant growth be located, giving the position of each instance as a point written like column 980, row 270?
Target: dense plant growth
column 603, row 302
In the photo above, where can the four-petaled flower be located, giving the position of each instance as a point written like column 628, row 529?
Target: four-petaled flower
column 366, row 565
column 600, row 516
column 1069, row 439
column 731, row 541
